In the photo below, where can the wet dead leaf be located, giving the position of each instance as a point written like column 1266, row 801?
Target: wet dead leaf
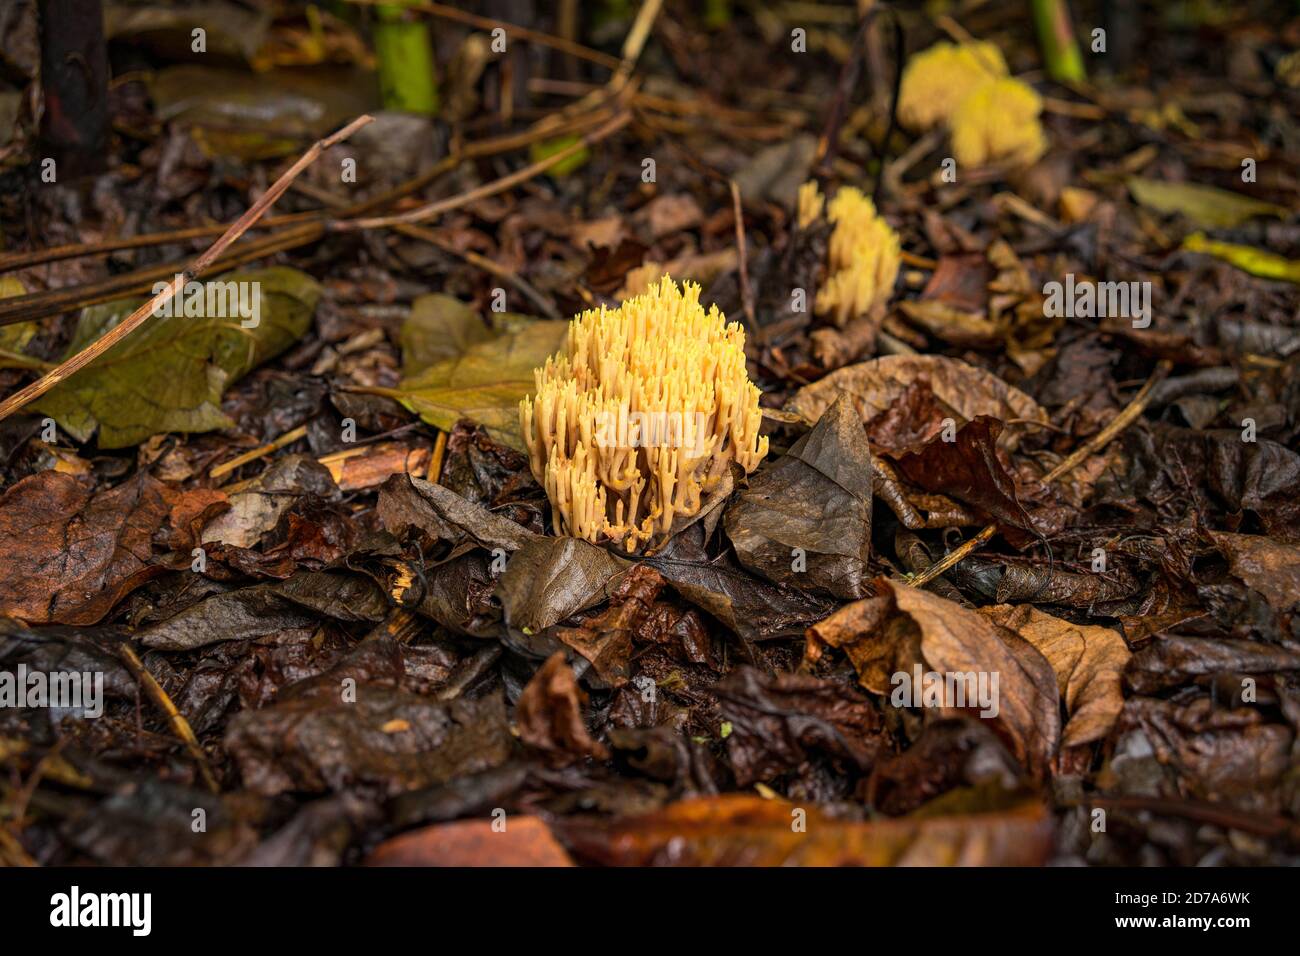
column 484, row 383
column 170, row 373
column 805, row 519
column 1088, row 660
column 873, row 386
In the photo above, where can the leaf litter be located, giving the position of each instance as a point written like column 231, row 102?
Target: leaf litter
column 318, row 537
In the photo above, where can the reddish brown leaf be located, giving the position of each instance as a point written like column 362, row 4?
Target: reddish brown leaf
column 525, row 841
column 735, row 830
column 67, row 555
column 550, row 716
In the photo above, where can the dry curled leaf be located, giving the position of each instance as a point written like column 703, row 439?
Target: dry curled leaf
column 903, row 628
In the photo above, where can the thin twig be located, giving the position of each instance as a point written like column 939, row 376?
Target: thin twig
column 179, row 724
column 435, row 209
column 476, row 150
column 435, row 460
column 1098, row 441
column 200, row 265
column 746, row 293
column 288, row 438
column 38, row 305
column 1226, row 817
column 634, row 42
column 545, row 305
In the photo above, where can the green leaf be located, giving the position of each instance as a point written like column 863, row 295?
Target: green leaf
column 545, row 149
column 170, row 373
column 439, row 327
column 1206, row 206
column 484, row 380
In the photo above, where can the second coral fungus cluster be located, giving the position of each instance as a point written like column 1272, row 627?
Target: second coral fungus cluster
column 640, row 416
column 992, row 117
column 863, row 259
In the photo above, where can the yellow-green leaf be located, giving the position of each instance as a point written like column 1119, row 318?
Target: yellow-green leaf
column 14, row 338
column 439, row 327
column 485, row 382
column 1206, row 206
column 1257, row 262
column 169, row 374
column 545, row 149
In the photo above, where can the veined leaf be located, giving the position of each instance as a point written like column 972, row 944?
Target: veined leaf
column 1206, row 206
column 484, row 382
column 170, row 373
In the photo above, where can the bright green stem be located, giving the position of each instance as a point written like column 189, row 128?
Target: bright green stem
column 406, row 75
column 1056, row 37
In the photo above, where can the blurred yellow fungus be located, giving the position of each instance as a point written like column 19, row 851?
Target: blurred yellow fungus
column 638, row 419
column 998, row 123
column 991, row 116
column 936, row 80
column 863, row 259
column 811, row 203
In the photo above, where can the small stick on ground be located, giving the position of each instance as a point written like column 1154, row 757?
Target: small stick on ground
column 435, row 460
column 288, row 438
column 435, row 209
column 153, row 690
column 475, row 150
column 1270, row 827
column 201, row 264
column 422, row 234
column 746, row 293
column 1098, row 441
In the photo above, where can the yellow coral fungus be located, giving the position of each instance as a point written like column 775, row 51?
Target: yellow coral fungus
column 638, row 419
column 864, row 258
column 998, row 123
column 993, row 118
column 811, row 202
column 936, row 80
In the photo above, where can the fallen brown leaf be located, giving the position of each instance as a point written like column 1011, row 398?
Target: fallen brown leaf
column 68, row 554
column 1088, row 661
column 741, row 830
column 525, row 841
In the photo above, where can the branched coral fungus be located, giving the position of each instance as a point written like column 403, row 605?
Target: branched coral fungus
column 864, row 253
column 993, row 117
column 640, row 416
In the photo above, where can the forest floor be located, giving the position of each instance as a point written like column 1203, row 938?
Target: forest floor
column 308, row 563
